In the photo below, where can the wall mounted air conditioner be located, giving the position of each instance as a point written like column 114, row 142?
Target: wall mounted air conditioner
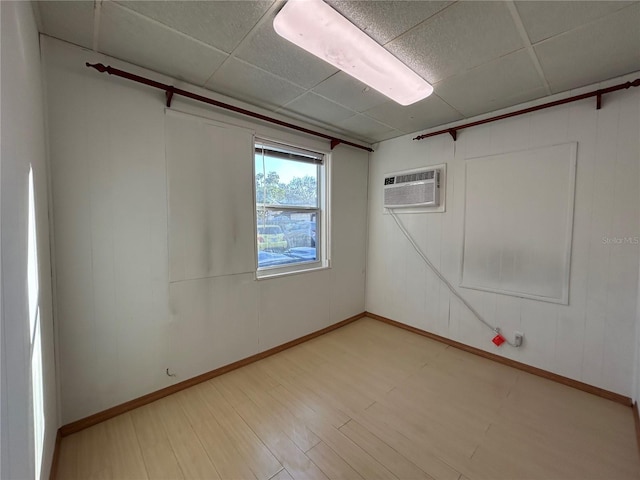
column 413, row 188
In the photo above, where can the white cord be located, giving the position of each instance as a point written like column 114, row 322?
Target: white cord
column 445, row 281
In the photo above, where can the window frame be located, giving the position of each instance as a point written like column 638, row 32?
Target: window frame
column 321, row 210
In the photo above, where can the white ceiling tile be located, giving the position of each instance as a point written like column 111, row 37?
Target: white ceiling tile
column 424, row 114
column 267, row 50
column 388, row 135
column 460, row 37
column 247, row 82
column 509, row 80
column 132, row 37
column 71, row 21
column 546, row 19
column 222, row 24
column 470, row 50
column 347, row 91
column 604, row 49
column 382, row 20
column 364, row 127
column 314, row 107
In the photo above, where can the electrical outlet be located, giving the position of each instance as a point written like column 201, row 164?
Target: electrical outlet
column 519, row 338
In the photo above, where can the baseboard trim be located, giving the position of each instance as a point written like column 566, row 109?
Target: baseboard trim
column 636, row 420
column 56, row 457
column 616, row 397
column 96, row 418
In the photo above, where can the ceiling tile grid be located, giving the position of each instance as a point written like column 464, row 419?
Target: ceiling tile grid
column 70, row 21
column 461, row 37
column 130, row 36
column 366, row 128
column 606, row 48
column 479, row 55
column 545, row 19
column 245, row 81
column 319, row 108
column 385, row 20
column 349, row 92
column 509, row 80
column 267, row 50
column 424, row 114
column 221, row 24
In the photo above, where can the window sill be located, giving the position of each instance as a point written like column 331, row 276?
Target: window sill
column 268, row 274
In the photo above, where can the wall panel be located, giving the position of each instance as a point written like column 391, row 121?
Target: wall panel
column 518, row 222
column 592, row 338
column 210, row 213
column 122, row 320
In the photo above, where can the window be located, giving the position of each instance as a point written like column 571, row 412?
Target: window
column 291, row 213
column 33, row 285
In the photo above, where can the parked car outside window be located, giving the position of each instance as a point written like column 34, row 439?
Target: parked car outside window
column 271, row 238
column 300, row 234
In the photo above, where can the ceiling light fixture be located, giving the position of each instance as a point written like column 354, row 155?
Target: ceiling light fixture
column 319, row 29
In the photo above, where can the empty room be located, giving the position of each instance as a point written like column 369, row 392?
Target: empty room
column 320, row 239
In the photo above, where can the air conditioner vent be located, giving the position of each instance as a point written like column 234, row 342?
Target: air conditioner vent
column 415, row 177
column 418, row 188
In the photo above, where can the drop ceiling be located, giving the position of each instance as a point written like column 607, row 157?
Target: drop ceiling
column 479, row 56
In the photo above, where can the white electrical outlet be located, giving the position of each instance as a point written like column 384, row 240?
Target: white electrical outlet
column 519, row 337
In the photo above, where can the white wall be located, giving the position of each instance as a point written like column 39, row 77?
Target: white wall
column 591, row 339
column 636, row 363
column 120, row 324
column 636, row 360
column 23, row 145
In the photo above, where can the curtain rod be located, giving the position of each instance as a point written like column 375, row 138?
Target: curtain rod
column 453, row 131
column 170, row 91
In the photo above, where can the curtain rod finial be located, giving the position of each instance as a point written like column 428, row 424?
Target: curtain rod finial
column 98, row 66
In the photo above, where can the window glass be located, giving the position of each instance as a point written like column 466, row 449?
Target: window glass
column 286, row 182
column 288, row 206
column 33, row 285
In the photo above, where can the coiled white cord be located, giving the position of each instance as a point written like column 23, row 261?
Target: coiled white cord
column 445, row 281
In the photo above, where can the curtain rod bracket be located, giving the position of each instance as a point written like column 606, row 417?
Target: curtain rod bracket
column 335, row 142
column 454, row 134
column 599, row 101
column 169, row 95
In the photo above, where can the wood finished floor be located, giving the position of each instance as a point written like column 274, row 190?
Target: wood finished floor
column 367, row 401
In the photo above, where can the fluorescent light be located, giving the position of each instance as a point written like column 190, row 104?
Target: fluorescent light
column 319, row 29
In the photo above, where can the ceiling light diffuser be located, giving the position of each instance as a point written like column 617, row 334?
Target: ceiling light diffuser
column 319, row 29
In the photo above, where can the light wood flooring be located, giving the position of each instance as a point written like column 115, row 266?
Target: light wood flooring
column 367, row 401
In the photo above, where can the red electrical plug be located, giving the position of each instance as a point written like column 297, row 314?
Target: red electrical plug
column 498, row 340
